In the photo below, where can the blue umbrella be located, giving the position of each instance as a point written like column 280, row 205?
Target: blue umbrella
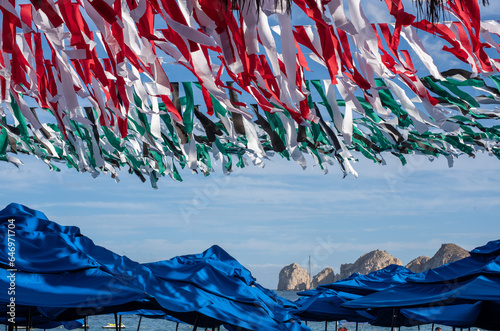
column 458, row 315
column 237, row 299
column 323, row 304
column 379, row 280
column 65, row 275
column 463, row 293
column 59, row 268
column 450, row 282
column 28, row 316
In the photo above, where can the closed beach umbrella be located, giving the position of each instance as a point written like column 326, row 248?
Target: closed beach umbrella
column 58, row 267
column 238, row 300
column 325, row 302
column 65, row 276
column 464, row 293
column 324, row 305
column 376, row 281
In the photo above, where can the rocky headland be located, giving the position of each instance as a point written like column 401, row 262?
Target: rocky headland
column 446, row 254
column 293, row 277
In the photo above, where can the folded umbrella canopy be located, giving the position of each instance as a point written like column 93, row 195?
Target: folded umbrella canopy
column 425, row 303
column 464, row 293
column 325, row 302
column 57, row 268
column 376, row 281
column 65, row 276
column 29, row 316
column 237, row 298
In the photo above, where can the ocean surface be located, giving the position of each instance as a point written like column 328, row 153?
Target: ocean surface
column 131, row 323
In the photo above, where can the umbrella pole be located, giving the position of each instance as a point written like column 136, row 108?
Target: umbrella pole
column 120, row 324
column 195, row 327
column 393, row 319
column 177, row 326
column 116, row 321
column 336, row 325
column 356, row 326
column 326, row 325
column 432, row 327
column 85, row 321
column 28, row 322
column 139, row 325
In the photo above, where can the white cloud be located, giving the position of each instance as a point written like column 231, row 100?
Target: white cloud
column 98, row 205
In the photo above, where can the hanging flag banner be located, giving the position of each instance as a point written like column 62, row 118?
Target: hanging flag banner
column 89, row 85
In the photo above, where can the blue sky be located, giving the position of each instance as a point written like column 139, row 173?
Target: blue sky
column 270, row 217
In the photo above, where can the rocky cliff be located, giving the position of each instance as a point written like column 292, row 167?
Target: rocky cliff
column 446, row 254
column 372, row 261
column 294, row 278
column 325, row 276
column 419, row 264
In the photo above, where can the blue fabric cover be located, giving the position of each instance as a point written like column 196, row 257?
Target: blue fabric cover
column 390, row 276
column 64, row 274
column 324, row 305
column 324, row 302
column 460, row 315
column 45, row 247
column 407, row 295
column 484, row 287
column 466, row 303
column 59, row 269
column 37, row 320
column 491, row 248
column 85, row 288
column 465, row 293
column 237, row 298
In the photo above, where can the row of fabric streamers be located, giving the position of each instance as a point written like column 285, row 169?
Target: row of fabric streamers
column 134, row 116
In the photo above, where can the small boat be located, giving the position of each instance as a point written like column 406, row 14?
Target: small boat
column 113, row 326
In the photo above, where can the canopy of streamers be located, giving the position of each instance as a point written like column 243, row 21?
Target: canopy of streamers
column 85, row 84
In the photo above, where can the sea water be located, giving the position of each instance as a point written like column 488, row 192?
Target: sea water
column 131, row 322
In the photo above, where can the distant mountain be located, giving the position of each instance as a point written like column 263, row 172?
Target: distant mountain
column 369, row 262
column 446, row 254
column 325, row 276
column 294, row 277
column 419, row 264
